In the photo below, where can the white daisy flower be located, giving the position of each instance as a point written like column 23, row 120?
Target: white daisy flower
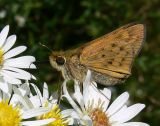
column 15, row 111
column 62, row 118
column 92, row 106
column 11, row 67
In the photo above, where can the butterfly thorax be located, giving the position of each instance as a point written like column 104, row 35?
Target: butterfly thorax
column 68, row 63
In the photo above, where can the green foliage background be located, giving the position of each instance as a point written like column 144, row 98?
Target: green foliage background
column 62, row 24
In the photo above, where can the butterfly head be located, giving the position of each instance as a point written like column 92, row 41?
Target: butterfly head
column 57, row 60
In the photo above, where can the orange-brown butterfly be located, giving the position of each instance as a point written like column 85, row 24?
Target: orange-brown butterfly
column 109, row 57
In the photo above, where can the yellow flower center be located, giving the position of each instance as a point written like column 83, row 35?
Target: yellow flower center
column 9, row 116
column 54, row 113
column 99, row 118
column 1, row 57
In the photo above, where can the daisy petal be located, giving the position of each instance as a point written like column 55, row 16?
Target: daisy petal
column 87, row 80
column 37, row 92
column 106, row 93
column 3, row 35
column 9, row 43
column 17, row 70
column 14, row 52
column 11, row 80
column 75, row 115
column 35, row 101
column 132, row 124
column 32, row 66
column 19, row 99
column 88, row 121
column 34, row 112
column 89, row 92
column 113, row 118
column 118, row 103
column 23, row 90
column 6, row 96
column 16, row 75
column 21, row 62
column 71, row 101
column 67, row 112
column 33, row 77
column 4, row 87
column 37, row 122
column 45, row 91
column 128, row 113
column 78, row 95
column 95, row 97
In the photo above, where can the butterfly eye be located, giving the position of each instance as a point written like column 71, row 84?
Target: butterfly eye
column 60, row 60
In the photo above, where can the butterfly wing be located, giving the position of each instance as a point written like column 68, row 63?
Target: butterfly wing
column 113, row 53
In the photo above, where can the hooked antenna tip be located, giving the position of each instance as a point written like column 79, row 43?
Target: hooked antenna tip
column 45, row 46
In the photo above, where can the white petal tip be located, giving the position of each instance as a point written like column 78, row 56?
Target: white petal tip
column 14, row 36
column 33, row 77
column 6, row 27
column 126, row 94
column 142, row 106
column 32, row 66
column 45, row 84
column 24, row 47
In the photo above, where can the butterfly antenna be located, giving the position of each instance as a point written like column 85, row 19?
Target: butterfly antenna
column 45, row 47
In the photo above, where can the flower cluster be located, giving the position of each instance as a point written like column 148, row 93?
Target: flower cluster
column 23, row 104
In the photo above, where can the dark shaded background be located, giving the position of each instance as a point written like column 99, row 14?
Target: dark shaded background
column 62, row 24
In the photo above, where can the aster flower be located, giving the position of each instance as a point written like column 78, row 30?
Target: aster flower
column 15, row 111
column 61, row 117
column 92, row 106
column 11, row 67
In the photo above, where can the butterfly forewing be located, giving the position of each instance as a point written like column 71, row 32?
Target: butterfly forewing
column 113, row 54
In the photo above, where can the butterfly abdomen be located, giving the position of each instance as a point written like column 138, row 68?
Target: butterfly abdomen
column 106, row 79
